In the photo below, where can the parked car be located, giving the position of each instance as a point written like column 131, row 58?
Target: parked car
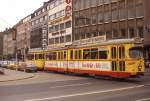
column 24, row 67
column 12, row 65
column 31, row 67
column 4, row 64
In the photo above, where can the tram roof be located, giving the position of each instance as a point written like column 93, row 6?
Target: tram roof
column 108, row 42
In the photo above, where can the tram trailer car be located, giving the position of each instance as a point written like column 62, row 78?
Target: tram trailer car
column 35, row 59
column 121, row 58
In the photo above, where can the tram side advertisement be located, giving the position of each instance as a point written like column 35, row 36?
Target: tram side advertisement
column 102, row 66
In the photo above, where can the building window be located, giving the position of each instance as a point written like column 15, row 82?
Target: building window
column 107, row 1
column 88, row 35
column 56, row 27
column 82, row 36
column 100, row 2
column 131, row 32
column 62, row 26
column 141, row 32
column 123, row 33
column 122, row 10
column 47, row 7
column 52, row 6
column 93, row 3
column 87, row 4
column 41, row 19
column 100, row 17
column 43, row 10
column 94, row 18
column 68, row 38
column 68, row 24
column 131, row 9
column 114, row 12
column 57, row 40
column 62, row 39
column 115, row 33
column 51, row 41
column 139, row 8
column 107, row 14
column 32, row 23
column 81, row 4
column 51, row 29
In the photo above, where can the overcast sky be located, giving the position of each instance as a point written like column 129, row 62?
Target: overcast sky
column 11, row 11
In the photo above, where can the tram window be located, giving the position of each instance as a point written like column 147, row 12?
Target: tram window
column 54, row 56
column 71, row 54
column 47, row 56
column 136, row 52
column 102, row 54
column 65, row 55
column 121, row 52
column 94, row 53
column 76, row 54
column 86, row 54
column 36, row 56
column 80, row 52
column 30, row 56
column 113, row 52
column 41, row 56
column 62, row 56
column 59, row 55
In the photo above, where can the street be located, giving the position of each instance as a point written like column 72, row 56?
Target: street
column 62, row 87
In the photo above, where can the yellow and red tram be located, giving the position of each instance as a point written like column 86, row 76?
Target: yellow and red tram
column 120, row 58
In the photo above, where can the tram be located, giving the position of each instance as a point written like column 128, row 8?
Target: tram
column 35, row 58
column 120, row 58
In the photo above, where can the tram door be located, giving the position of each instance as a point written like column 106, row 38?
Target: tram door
column 118, row 58
column 121, row 58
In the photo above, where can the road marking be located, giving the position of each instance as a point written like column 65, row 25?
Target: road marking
column 87, row 93
column 71, row 85
column 147, row 99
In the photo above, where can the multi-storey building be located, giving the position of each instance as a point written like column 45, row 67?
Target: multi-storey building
column 60, row 23
column 39, row 28
column 9, row 43
column 1, row 45
column 23, row 35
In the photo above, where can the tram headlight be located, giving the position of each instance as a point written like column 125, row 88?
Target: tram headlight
column 139, row 68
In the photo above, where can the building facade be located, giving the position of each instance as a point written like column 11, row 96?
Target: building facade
column 1, row 45
column 38, row 34
column 9, row 43
column 23, row 35
column 60, row 23
column 107, row 19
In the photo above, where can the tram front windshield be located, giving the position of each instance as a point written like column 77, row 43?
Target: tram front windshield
column 136, row 52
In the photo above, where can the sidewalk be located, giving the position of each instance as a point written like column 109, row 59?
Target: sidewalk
column 12, row 75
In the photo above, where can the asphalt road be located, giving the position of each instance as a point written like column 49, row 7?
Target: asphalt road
column 79, row 89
